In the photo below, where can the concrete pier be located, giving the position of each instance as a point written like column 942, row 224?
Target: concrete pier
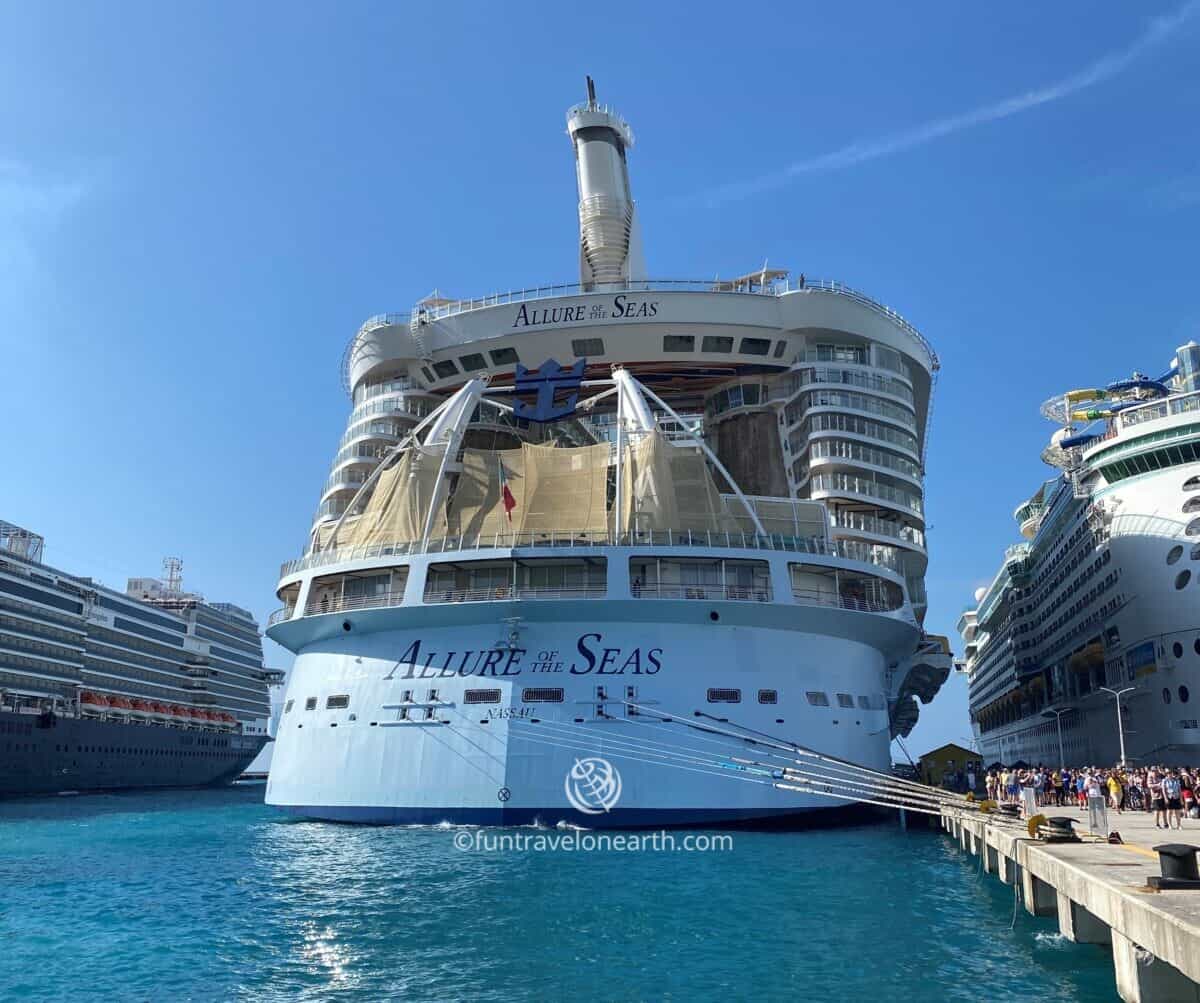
column 1099, row 894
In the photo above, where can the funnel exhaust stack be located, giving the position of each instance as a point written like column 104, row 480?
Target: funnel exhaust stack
column 610, row 252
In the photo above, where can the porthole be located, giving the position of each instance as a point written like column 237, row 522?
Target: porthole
column 1174, row 554
column 1183, row 694
column 1182, row 579
column 1193, row 528
column 1192, row 504
column 1177, row 649
column 1196, row 646
column 1166, row 694
column 1192, row 483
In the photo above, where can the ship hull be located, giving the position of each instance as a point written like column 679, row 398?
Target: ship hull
column 52, row 755
column 407, row 740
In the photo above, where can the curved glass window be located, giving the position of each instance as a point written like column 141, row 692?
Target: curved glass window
column 1177, row 649
column 1174, row 554
column 1193, row 528
column 1192, row 483
column 1183, row 694
column 1166, row 694
column 1182, row 579
column 1192, row 504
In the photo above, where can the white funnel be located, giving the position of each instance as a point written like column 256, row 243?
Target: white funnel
column 609, row 243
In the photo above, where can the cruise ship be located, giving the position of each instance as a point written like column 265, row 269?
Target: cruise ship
column 1085, row 646
column 580, row 544
column 103, row 690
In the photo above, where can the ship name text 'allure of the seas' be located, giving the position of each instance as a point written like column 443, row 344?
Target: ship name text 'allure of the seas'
column 581, row 544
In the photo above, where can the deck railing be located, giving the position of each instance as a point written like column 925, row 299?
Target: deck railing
column 586, row 540
column 508, row 593
column 342, row 604
column 813, row 597
column 723, row 592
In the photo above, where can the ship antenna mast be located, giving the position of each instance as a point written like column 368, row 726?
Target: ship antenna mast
column 173, row 574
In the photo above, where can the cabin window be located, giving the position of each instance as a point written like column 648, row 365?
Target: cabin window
column 472, row 362
column 780, row 348
column 817, row 699
column 755, row 346
column 716, row 343
column 427, row 374
column 864, row 703
column 724, row 696
column 445, row 369
column 504, row 356
column 339, row 702
column 768, row 696
column 585, row 347
column 679, row 343
column 481, row 696
column 288, row 706
column 542, row 694
column 845, row 700
column 310, row 703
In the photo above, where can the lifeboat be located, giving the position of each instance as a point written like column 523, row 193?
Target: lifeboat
column 121, row 705
column 160, row 711
column 197, row 715
column 93, row 703
column 140, row 709
column 228, row 721
column 179, row 715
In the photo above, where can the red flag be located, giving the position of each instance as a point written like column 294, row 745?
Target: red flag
column 506, row 495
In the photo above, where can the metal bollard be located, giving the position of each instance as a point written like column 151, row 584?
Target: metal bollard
column 1177, row 861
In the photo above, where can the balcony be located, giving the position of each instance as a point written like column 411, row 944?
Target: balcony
column 509, row 593
column 816, row 597
column 840, row 484
column 723, row 593
column 198, row 671
column 345, row 604
column 285, row 613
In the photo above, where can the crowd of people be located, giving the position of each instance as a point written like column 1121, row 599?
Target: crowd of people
column 1168, row 792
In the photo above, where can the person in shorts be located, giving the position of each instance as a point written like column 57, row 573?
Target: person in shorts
column 1173, row 795
column 1159, row 801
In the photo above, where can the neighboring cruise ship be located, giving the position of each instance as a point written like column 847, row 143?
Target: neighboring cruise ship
column 101, row 690
column 1102, row 599
column 576, row 592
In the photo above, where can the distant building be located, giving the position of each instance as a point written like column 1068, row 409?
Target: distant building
column 936, row 764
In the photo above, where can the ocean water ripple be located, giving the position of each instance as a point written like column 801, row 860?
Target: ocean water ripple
column 210, row 895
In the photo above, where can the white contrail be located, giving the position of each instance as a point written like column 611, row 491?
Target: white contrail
column 1160, row 30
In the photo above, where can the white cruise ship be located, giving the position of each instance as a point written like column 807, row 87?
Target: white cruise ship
column 580, row 544
column 1100, row 604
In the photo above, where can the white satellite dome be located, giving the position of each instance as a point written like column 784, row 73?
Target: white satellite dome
column 980, row 593
column 1058, row 436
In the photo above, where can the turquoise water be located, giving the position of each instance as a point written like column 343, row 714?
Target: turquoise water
column 209, row 895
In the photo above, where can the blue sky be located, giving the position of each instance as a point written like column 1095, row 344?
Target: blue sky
column 200, row 203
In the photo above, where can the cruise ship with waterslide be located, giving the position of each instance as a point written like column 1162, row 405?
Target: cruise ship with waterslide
column 1097, row 612
column 581, row 543
column 103, row 690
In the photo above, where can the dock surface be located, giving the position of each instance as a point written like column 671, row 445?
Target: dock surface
column 1099, row 893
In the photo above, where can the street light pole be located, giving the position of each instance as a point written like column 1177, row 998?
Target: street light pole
column 1062, row 759
column 1120, row 725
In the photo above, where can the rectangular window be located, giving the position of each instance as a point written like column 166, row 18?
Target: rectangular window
column 716, row 343
column 339, row 702
column 542, row 694
column 755, row 346
column 472, row 362
column 504, row 356
column 845, row 700
column 679, row 343
column 864, row 703
column 780, row 348
column 310, row 703
column 427, row 374
column 586, row 347
column 481, row 696
column 768, row 696
column 724, row 696
column 817, row 699
column 288, row 706
column 445, row 369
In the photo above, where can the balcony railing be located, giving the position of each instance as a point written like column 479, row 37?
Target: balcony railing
column 877, row 527
column 343, row 604
column 776, row 288
column 281, row 614
column 733, row 593
column 565, row 539
column 837, row 483
column 812, row 597
column 506, row 593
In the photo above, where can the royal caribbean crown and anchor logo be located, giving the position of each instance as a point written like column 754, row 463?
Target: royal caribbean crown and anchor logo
column 555, row 390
